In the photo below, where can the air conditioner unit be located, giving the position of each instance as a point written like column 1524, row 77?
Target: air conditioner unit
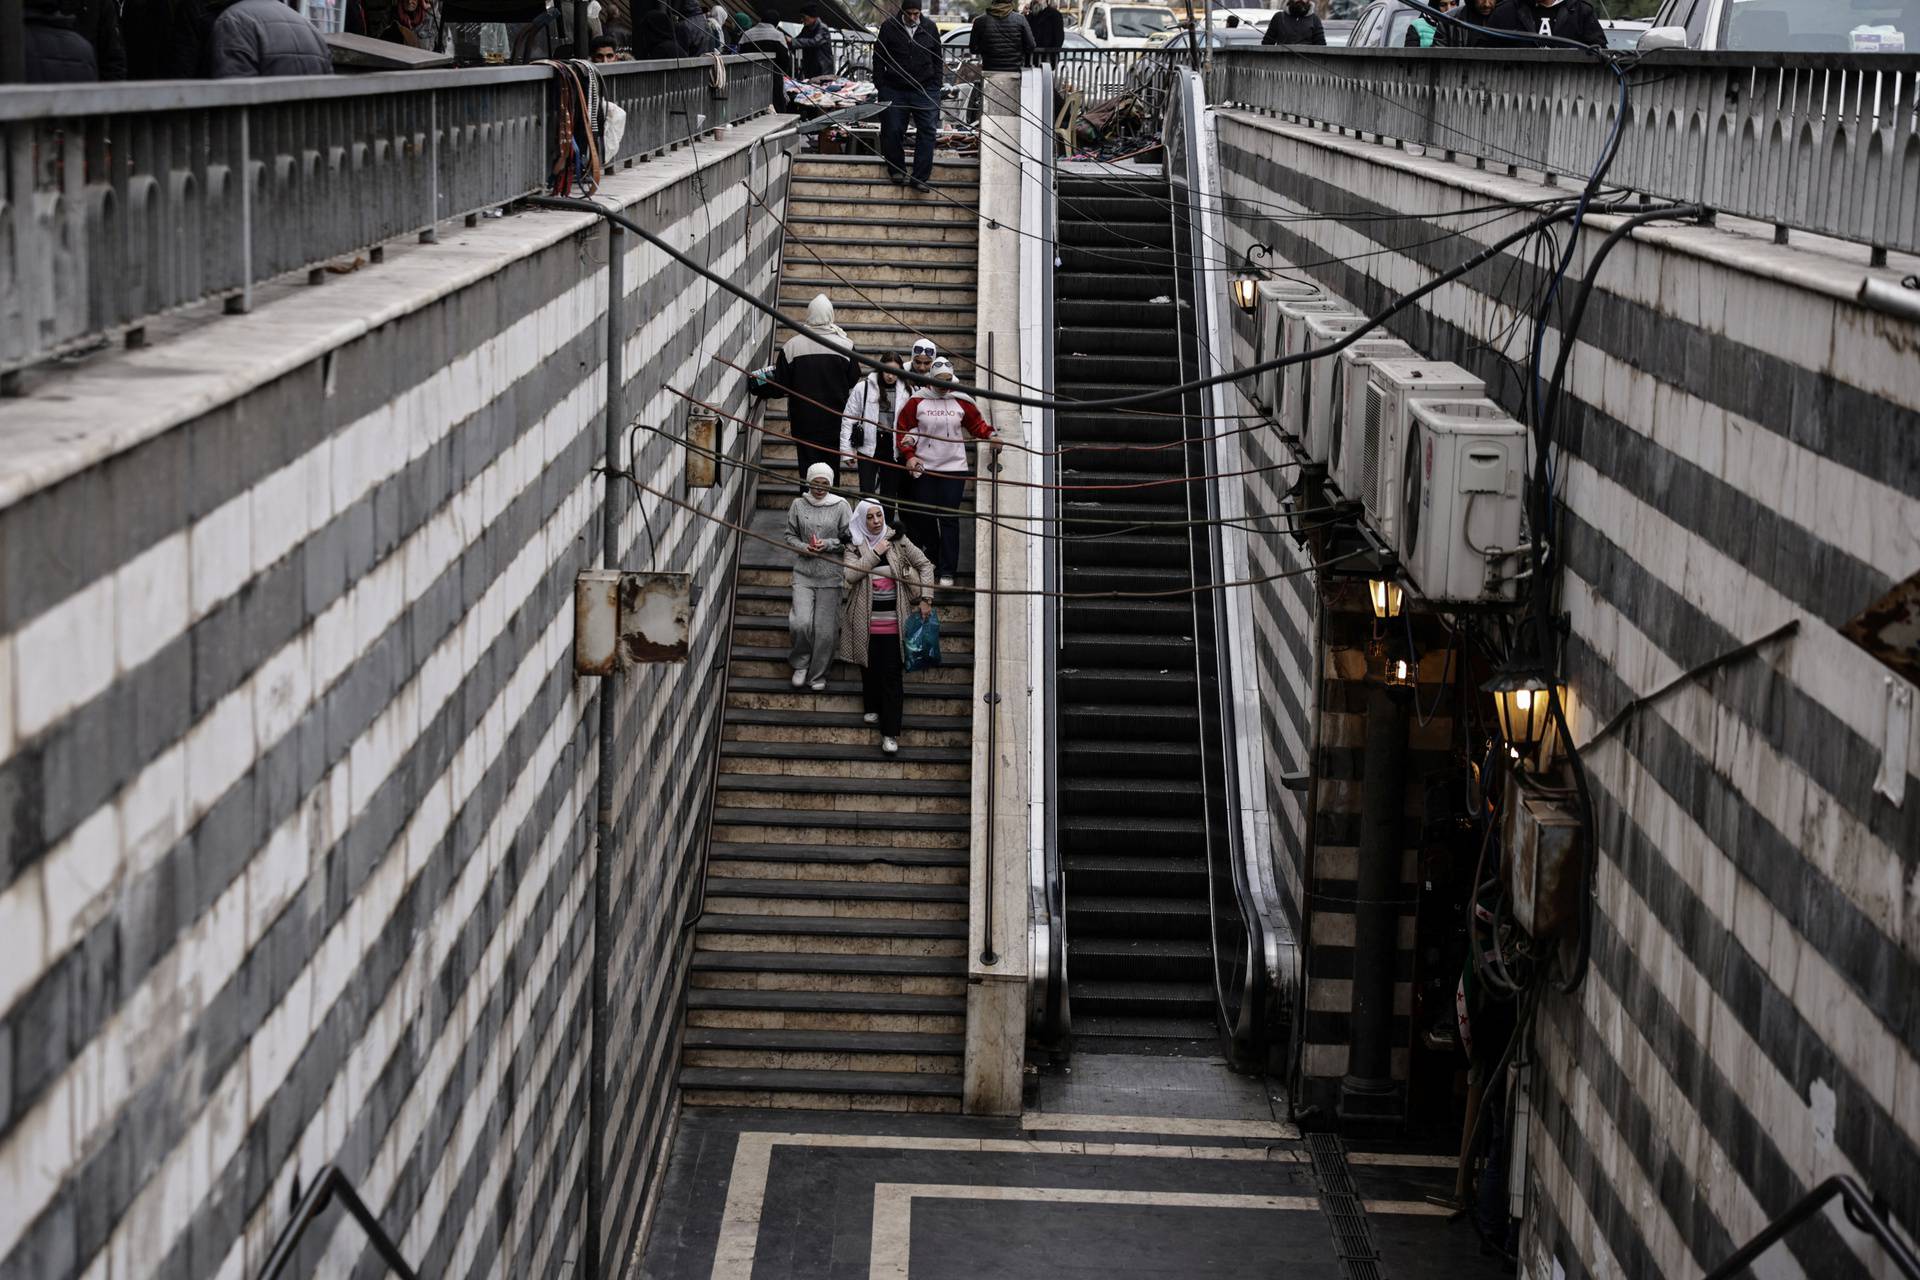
column 1265, row 387
column 1383, row 424
column 1293, row 341
column 1306, row 386
column 1461, row 481
column 1328, row 439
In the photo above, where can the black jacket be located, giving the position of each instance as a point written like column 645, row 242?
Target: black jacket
column 1049, row 28
column 816, row 50
column 813, row 377
column 1570, row 20
column 1287, row 29
column 56, row 52
column 1002, row 44
column 266, row 38
column 99, row 22
column 906, row 60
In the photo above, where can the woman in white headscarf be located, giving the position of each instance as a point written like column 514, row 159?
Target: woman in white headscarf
column 886, row 576
column 815, row 379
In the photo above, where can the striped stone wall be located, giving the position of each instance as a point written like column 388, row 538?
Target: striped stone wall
column 296, row 780
column 1740, row 452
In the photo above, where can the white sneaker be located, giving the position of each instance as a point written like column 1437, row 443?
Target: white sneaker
column 799, row 678
column 946, row 582
column 889, row 746
column 872, row 717
column 818, row 686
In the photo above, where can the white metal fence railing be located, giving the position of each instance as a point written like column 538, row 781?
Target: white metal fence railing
column 1827, row 143
column 125, row 201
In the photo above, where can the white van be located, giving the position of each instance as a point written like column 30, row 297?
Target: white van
column 1124, row 26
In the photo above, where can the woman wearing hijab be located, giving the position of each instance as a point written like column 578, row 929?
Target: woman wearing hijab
column 816, row 379
column 886, row 576
column 866, row 429
column 819, row 530
column 934, row 428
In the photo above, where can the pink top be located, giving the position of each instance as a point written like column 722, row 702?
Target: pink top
column 884, row 620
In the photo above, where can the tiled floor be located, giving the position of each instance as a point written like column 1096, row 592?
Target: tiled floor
column 1134, row 1167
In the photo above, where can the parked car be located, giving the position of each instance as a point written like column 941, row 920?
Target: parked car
column 1384, row 24
column 1217, row 38
column 1124, row 26
column 1787, row 26
column 1625, row 33
column 959, row 36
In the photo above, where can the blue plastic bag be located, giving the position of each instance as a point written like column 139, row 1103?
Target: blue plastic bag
column 923, row 641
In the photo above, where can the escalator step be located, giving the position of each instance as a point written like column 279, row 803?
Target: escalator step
column 1141, row 998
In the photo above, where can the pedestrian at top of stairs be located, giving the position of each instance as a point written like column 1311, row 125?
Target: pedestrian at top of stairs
column 815, row 378
column 886, row 576
column 819, row 530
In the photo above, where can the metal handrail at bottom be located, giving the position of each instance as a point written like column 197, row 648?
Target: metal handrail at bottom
column 1864, row 1211
column 330, row 1184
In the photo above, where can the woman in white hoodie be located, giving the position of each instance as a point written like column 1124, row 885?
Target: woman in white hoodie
column 866, row 431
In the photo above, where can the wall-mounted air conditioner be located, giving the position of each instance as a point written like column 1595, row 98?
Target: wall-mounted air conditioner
column 1461, row 481
column 1293, row 341
column 1265, row 388
column 1328, row 438
column 1383, row 424
column 1309, row 385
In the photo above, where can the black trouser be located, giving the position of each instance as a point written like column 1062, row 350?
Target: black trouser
column 937, row 533
column 883, row 688
column 817, row 444
column 878, row 480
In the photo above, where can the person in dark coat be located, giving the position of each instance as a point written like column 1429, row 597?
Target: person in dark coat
column 765, row 36
column 1476, row 12
column 264, row 38
column 56, row 51
column 1566, row 19
column 1001, row 38
column 816, row 379
column 1299, row 24
column 99, row 22
column 1049, row 29
column 908, row 71
column 815, row 43
column 656, row 33
column 692, row 30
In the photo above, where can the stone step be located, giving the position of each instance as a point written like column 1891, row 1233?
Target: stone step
column 837, row 936
column 945, row 168
column 828, row 800
column 801, row 762
column 839, row 242
column 782, row 729
column 826, row 1010
column 868, row 828
column 753, row 600
column 844, row 262
column 883, row 213
column 792, row 1050
column 917, row 1092
column 729, row 894
column 857, row 307
column 805, row 280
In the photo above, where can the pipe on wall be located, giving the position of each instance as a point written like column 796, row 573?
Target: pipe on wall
column 1368, row 1091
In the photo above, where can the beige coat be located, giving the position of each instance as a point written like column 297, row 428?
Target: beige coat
column 906, row 566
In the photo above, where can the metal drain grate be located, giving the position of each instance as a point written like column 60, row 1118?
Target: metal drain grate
column 1346, row 1218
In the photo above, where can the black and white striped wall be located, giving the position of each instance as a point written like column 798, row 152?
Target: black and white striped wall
column 296, row 779
column 1742, row 451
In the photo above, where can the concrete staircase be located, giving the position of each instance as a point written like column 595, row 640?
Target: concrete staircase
column 829, row 967
column 898, row 264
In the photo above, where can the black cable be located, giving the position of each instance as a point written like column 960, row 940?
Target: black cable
column 1070, row 406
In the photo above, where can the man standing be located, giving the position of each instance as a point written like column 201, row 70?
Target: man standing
column 1001, row 38
column 1565, row 19
column 1299, row 24
column 264, row 38
column 908, row 72
column 1476, row 12
column 765, row 36
column 1049, row 29
column 815, row 43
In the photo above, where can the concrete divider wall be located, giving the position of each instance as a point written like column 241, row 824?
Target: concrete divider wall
column 1739, row 452
column 296, row 781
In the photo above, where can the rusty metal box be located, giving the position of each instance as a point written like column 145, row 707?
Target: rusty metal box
column 1546, row 858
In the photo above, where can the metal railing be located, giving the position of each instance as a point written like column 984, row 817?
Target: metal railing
column 330, row 1185
column 1098, row 74
column 1826, row 143
column 124, row 201
column 1867, row 1213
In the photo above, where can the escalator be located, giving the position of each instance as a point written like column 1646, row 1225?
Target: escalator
column 1130, row 793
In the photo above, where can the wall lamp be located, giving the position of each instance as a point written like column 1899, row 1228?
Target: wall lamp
column 1245, row 285
column 1388, row 598
column 1522, row 700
